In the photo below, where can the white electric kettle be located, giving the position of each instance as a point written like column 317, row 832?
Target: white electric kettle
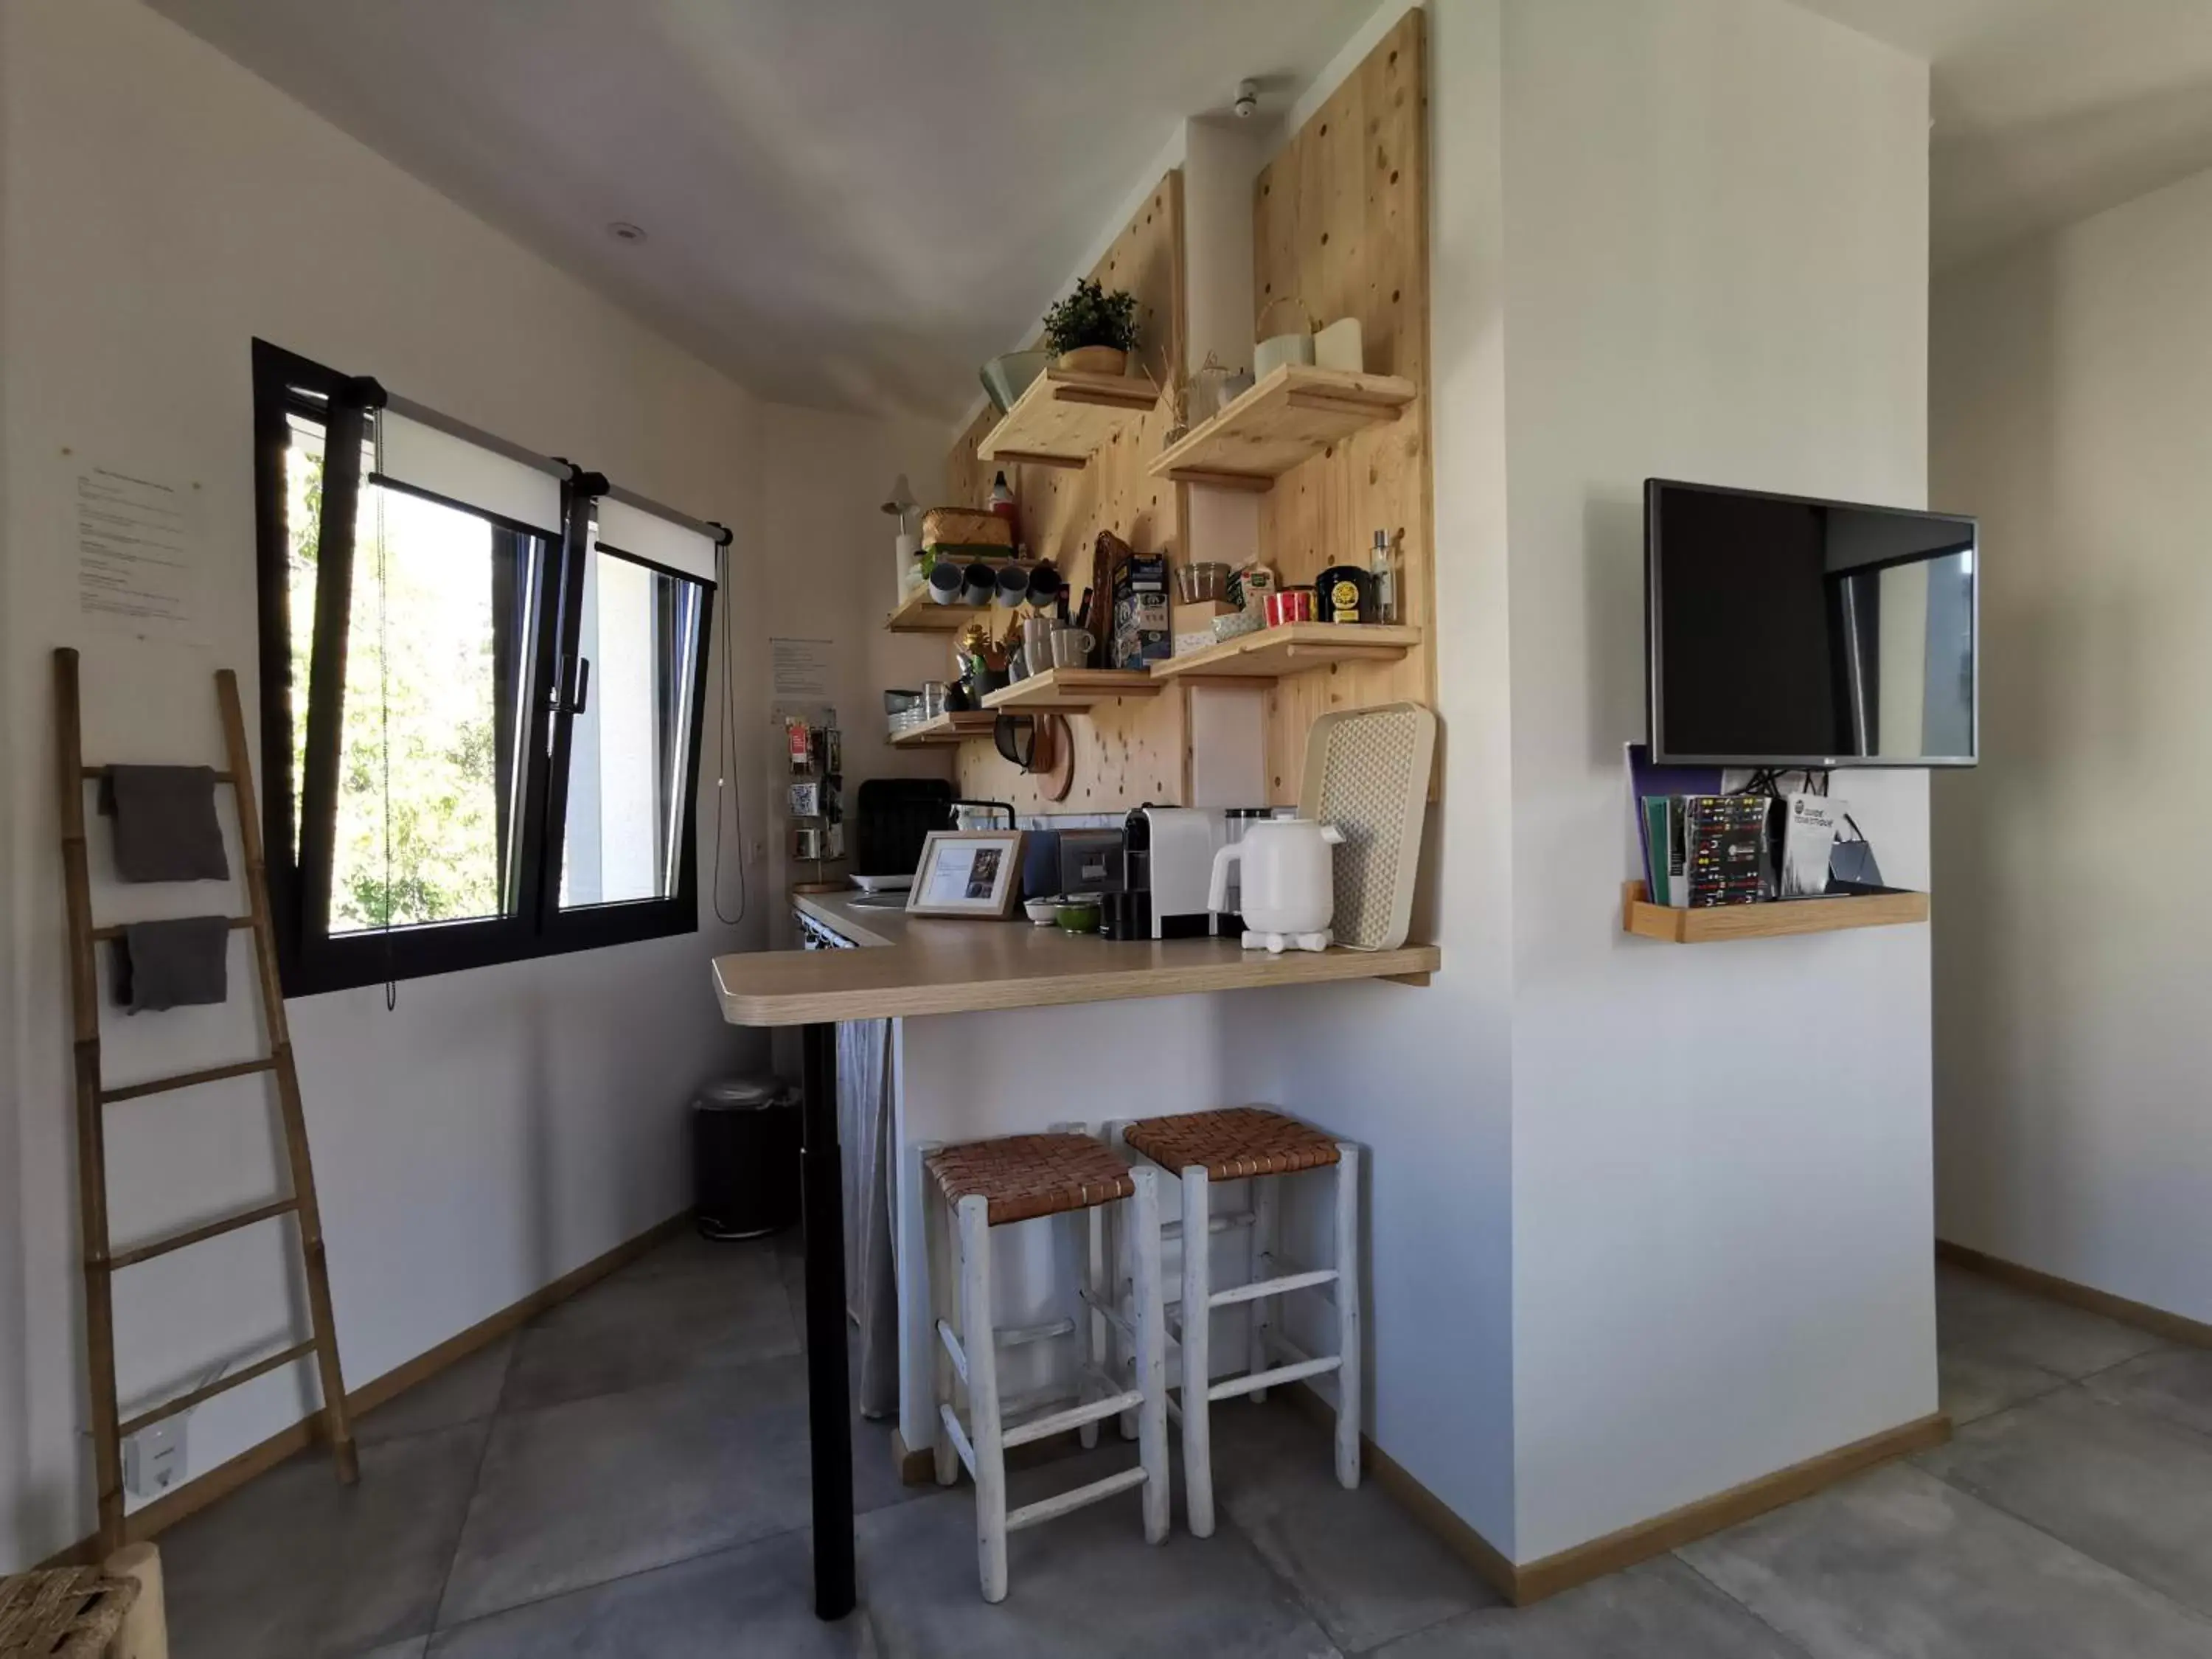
column 1288, row 882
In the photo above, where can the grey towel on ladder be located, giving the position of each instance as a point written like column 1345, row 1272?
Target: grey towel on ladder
column 166, row 828
column 172, row 964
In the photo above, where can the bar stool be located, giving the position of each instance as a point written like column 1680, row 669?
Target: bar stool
column 1249, row 1143
column 994, row 1183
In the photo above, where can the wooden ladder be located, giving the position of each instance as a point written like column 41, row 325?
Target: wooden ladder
column 100, row 1261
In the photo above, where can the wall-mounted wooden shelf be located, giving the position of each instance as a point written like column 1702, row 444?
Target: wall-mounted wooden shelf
column 1064, row 417
column 948, row 728
column 1294, row 414
column 1768, row 921
column 920, row 614
column 1271, row 654
column 1072, row 688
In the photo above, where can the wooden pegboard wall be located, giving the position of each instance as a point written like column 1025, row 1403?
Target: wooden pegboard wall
column 1132, row 751
column 1340, row 229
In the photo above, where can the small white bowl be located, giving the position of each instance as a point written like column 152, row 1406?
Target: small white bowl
column 1042, row 912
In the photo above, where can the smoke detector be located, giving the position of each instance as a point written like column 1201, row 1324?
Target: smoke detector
column 1247, row 99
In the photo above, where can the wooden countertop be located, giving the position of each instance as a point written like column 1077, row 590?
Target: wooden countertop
column 921, row 965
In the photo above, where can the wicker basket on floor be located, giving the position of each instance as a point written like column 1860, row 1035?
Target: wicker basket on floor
column 71, row 1614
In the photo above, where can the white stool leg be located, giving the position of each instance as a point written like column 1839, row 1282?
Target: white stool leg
column 1092, row 1227
column 980, row 1342
column 1122, row 1273
column 1258, row 1357
column 1087, row 1248
column 1197, row 1328
column 1152, row 1353
column 1347, row 1314
column 943, row 1299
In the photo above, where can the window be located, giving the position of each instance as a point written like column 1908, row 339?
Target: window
column 478, row 666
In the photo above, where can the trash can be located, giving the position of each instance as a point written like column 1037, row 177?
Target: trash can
column 745, row 1157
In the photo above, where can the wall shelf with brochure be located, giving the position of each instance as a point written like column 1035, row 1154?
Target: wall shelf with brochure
column 1885, row 906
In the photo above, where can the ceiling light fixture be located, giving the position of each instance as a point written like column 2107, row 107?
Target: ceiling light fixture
column 623, row 231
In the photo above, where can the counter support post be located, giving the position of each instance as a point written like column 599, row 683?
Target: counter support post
column 829, row 1409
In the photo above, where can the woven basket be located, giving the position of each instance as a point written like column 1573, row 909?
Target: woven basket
column 965, row 528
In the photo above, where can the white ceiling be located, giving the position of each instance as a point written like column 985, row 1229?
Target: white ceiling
column 848, row 202
column 2047, row 110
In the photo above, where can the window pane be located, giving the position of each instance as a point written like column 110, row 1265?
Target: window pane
column 419, row 833
column 303, row 529
column 629, row 750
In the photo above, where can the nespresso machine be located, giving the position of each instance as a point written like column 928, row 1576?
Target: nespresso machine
column 1170, row 856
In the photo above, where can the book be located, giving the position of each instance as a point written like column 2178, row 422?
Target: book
column 1724, row 850
column 1808, row 839
column 1645, row 779
column 1657, row 848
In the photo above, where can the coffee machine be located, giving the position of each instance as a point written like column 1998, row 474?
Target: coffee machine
column 1169, row 857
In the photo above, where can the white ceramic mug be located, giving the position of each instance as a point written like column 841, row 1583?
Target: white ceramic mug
column 1072, row 647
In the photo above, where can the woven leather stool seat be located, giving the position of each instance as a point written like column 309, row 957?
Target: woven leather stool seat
column 1025, row 1177
column 1233, row 1144
column 72, row 1613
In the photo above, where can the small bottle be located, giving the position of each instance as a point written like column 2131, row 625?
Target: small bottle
column 1003, row 504
column 1383, row 580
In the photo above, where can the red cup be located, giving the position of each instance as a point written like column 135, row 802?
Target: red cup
column 1288, row 605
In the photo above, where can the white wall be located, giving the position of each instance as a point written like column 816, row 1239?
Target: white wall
column 1647, row 1223
column 2070, row 383
column 1716, row 239
column 159, row 208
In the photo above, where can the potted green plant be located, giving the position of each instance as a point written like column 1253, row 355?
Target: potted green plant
column 1092, row 331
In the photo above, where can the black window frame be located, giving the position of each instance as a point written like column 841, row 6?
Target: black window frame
column 312, row 961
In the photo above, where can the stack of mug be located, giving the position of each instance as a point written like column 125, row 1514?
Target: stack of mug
column 1048, row 643
column 979, row 582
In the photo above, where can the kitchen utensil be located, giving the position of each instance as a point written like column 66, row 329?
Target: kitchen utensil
column 1367, row 772
column 1288, row 605
column 1042, row 912
column 1008, row 375
column 1037, row 642
column 944, row 579
column 1286, row 886
column 1195, row 584
column 979, row 584
column 1014, row 736
column 1058, row 771
column 1078, row 913
column 1014, row 583
column 1072, row 647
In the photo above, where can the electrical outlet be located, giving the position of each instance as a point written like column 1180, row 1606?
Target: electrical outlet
column 154, row 1459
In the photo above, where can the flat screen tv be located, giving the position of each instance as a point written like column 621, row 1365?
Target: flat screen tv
column 1791, row 632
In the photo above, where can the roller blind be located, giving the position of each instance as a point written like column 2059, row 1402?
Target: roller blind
column 472, row 472
column 658, row 538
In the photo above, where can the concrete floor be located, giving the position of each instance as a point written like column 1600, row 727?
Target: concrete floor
column 628, row 1476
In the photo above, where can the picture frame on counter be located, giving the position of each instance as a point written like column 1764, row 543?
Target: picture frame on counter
column 972, row 873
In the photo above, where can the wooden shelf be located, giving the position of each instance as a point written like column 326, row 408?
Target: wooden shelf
column 1271, row 654
column 956, row 726
column 920, row 614
column 1072, row 687
column 1064, row 417
column 1768, row 921
column 1294, row 414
